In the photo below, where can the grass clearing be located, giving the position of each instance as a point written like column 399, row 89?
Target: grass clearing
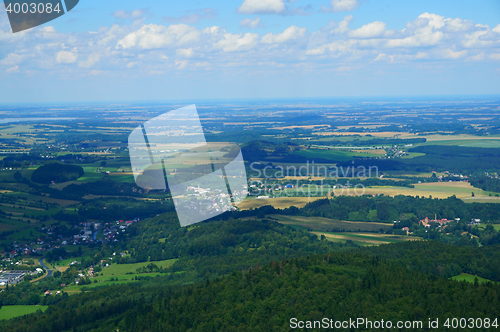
column 123, row 269
column 469, row 278
column 334, row 155
column 366, row 239
column 326, row 224
column 12, row 311
column 278, row 203
column 495, row 226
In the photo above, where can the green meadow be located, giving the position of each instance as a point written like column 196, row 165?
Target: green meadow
column 334, row 155
column 469, row 278
column 12, row 311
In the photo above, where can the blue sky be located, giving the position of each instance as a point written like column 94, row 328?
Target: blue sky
column 156, row 50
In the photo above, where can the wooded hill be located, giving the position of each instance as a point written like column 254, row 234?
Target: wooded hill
column 264, row 298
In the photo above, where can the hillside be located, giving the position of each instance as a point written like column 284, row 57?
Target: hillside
column 337, row 286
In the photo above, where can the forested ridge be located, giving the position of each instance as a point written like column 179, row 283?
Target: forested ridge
column 264, row 298
column 216, row 248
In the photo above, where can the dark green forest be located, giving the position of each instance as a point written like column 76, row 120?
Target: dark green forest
column 337, row 285
column 56, row 172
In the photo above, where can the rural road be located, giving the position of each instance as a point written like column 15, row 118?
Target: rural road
column 49, row 271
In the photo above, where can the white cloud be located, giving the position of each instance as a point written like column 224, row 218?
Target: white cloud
column 203, row 64
column 449, row 54
column 477, row 57
column 95, row 72
column 381, row 56
column 474, row 39
column 343, row 26
column 435, row 21
column 272, row 64
column 185, row 52
column 155, row 36
column 236, row 42
column 336, row 48
column 421, row 56
column 290, row 33
column 251, row 24
column 421, row 32
column 341, row 6
column 157, row 47
column 344, row 69
column 12, row 69
column 66, row 57
column 90, row 62
column 262, row 7
column 181, row 64
column 370, row 30
column 127, row 15
column 14, row 59
column 192, row 18
column 458, row 25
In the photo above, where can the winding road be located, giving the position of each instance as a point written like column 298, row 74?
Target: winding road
column 49, row 271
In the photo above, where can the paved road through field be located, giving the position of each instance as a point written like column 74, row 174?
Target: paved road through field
column 49, row 271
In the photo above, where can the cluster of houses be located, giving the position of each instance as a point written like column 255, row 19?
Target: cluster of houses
column 442, row 222
column 86, row 233
column 209, row 201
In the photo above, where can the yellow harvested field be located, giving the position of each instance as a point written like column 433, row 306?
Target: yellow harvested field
column 302, row 127
column 313, row 178
column 458, row 137
column 375, row 134
column 361, row 125
column 462, row 190
column 374, row 151
column 279, row 203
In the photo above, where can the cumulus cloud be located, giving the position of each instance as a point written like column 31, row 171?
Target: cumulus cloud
column 343, row 26
column 12, row 69
column 185, row 52
column 14, row 59
column 66, row 57
column 155, row 36
column 336, row 48
column 237, row 42
column 458, row 25
column 130, row 15
column 450, row 54
column 477, row 57
column 370, row 30
column 251, row 24
column 181, row 64
column 289, row 34
column 90, row 62
column 421, row 56
column 341, row 6
column 193, row 17
column 422, row 32
column 262, row 7
column 156, row 48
